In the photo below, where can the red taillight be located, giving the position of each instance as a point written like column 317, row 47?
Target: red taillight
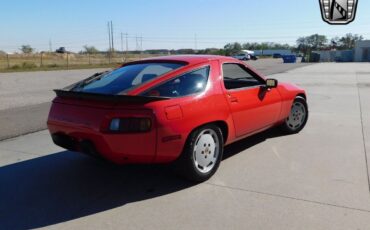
column 130, row 125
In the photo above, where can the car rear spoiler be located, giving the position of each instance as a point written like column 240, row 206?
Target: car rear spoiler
column 106, row 97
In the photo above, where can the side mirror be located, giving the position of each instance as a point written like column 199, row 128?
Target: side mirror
column 271, row 83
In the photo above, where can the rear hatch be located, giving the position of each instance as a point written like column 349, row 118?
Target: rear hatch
column 86, row 116
column 90, row 110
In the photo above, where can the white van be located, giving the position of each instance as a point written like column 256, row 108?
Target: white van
column 245, row 55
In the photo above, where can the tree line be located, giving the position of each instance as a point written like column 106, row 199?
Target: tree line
column 303, row 45
column 320, row 42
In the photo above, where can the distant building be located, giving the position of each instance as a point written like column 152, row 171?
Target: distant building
column 271, row 52
column 362, row 51
column 333, row 56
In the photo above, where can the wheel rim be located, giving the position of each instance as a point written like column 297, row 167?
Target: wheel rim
column 206, row 150
column 297, row 116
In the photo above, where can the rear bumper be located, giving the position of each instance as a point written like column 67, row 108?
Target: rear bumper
column 72, row 144
column 117, row 148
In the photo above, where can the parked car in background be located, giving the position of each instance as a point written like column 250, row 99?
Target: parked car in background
column 176, row 109
column 61, row 50
column 242, row 56
column 254, row 57
column 246, row 55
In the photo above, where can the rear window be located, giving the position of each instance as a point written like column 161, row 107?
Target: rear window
column 125, row 78
column 190, row 83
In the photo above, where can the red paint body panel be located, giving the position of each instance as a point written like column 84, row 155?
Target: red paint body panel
column 86, row 123
column 243, row 111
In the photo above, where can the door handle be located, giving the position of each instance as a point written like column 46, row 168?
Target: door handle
column 233, row 99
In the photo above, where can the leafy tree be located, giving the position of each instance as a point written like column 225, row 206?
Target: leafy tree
column 90, row 49
column 232, row 48
column 265, row 46
column 157, row 51
column 185, row 51
column 303, row 45
column 213, row 51
column 312, row 42
column 349, row 40
column 317, row 41
column 27, row 49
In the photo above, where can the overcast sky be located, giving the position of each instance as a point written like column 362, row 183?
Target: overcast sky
column 167, row 24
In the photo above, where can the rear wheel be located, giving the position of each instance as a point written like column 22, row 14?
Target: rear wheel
column 202, row 154
column 297, row 118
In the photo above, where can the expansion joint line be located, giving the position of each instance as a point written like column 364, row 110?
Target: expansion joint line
column 363, row 131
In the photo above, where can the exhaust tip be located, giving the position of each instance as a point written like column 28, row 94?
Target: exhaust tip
column 88, row 148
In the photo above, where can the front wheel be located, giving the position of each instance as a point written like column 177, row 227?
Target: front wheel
column 202, row 154
column 297, row 118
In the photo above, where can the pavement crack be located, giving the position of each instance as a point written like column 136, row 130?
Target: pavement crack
column 289, row 197
column 363, row 132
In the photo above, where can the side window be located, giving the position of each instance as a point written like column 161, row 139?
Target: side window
column 236, row 76
column 189, row 83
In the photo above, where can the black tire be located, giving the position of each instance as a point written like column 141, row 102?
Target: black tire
column 186, row 165
column 288, row 126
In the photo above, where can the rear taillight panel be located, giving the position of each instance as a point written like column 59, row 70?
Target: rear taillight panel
column 129, row 125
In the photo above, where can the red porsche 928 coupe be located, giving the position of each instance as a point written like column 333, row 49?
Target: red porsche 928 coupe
column 179, row 109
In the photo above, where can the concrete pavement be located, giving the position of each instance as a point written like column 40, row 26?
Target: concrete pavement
column 317, row 179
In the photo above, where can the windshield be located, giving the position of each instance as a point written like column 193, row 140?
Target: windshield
column 124, row 78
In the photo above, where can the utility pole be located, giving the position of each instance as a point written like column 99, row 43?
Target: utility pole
column 126, row 44
column 109, row 39
column 122, row 43
column 67, row 60
column 195, row 42
column 50, row 46
column 41, row 59
column 111, row 30
column 137, row 45
column 141, row 43
column 110, row 45
column 126, row 37
column 7, row 60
